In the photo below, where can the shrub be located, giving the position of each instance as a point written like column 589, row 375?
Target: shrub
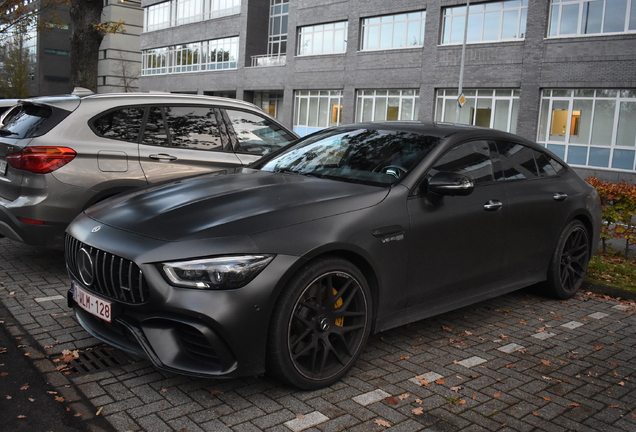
column 618, row 201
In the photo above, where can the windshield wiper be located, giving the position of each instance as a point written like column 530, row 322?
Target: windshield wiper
column 4, row 132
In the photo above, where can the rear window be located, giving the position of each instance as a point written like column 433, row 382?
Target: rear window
column 25, row 121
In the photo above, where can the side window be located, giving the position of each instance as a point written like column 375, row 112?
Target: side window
column 471, row 159
column 183, row 127
column 548, row 167
column 193, row 128
column 255, row 134
column 521, row 162
column 517, row 161
column 122, row 124
column 155, row 131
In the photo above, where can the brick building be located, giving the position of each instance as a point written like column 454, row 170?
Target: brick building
column 560, row 72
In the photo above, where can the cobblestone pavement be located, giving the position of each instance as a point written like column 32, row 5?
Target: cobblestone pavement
column 519, row 362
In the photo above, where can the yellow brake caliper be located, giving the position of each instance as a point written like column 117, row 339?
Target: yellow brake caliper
column 339, row 321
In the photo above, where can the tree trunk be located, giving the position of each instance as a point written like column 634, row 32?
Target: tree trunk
column 85, row 41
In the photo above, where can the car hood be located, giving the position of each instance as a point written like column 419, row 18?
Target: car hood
column 234, row 204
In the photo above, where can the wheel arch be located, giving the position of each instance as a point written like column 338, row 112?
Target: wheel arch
column 356, row 258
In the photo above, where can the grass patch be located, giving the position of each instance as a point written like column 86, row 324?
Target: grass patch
column 613, row 269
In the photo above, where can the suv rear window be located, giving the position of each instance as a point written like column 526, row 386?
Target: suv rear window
column 25, row 122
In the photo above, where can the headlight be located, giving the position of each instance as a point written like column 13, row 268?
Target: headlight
column 216, row 273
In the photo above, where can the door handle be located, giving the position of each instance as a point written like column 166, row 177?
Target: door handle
column 162, row 157
column 493, row 205
column 560, row 196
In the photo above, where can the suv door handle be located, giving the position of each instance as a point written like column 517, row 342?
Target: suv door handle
column 493, row 205
column 162, row 157
column 560, row 196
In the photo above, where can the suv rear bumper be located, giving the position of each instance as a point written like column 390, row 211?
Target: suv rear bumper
column 47, row 235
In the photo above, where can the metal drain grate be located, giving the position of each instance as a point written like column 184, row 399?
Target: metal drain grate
column 98, row 359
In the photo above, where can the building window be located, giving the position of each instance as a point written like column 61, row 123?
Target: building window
column 595, row 128
column 157, row 16
column 155, row 61
column 270, row 102
column 487, row 22
column 496, row 109
column 393, row 31
column 323, row 39
column 189, row 11
column 186, row 57
column 221, row 54
column 215, row 54
column 581, row 17
column 381, row 105
column 316, row 109
column 178, row 12
column 278, row 15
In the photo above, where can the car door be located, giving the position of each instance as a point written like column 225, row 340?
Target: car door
column 537, row 203
column 179, row 141
column 456, row 243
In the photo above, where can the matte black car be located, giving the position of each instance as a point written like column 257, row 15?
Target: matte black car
column 288, row 265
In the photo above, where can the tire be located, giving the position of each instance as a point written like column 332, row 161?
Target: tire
column 569, row 262
column 320, row 325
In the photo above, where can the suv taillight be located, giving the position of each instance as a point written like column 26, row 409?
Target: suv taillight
column 41, row 160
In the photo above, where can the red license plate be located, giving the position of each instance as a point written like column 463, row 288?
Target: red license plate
column 92, row 304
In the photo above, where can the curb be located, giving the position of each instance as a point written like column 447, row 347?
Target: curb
column 611, row 291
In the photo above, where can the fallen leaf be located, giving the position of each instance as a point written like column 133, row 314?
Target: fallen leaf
column 510, row 366
column 612, row 406
column 467, row 333
column 419, row 401
column 546, row 362
column 77, row 415
column 473, row 397
column 24, row 387
column 21, row 416
column 547, row 398
column 68, row 355
column 59, row 398
column 497, row 395
column 417, row 411
column 405, row 357
column 415, row 347
column 474, row 376
column 215, row 392
column 535, row 413
column 391, row 400
column 31, row 400
column 440, row 381
column 447, row 329
column 51, row 392
column 300, row 416
column 404, row 396
column 456, row 389
column 164, row 390
column 99, row 411
column 574, row 404
column 383, row 423
column 598, row 348
column 621, row 383
column 4, row 373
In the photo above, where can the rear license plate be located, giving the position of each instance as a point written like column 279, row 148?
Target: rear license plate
column 3, row 167
column 90, row 303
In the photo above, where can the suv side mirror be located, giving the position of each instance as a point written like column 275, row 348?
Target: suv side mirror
column 447, row 183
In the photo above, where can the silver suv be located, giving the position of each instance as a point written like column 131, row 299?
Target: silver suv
column 60, row 155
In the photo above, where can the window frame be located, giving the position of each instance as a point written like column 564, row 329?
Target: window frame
column 319, row 29
column 556, row 18
column 366, row 27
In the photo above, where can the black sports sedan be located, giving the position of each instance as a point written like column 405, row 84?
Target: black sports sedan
column 288, row 265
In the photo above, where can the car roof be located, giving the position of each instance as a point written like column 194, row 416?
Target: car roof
column 71, row 101
column 437, row 129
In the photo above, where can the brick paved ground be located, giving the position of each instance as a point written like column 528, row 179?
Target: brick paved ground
column 519, row 362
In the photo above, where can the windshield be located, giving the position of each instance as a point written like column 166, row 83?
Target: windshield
column 368, row 156
column 24, row 120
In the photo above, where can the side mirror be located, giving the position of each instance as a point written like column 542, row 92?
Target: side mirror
column 447, row 183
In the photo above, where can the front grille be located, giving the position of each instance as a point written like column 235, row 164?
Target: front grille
column 113, row 277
